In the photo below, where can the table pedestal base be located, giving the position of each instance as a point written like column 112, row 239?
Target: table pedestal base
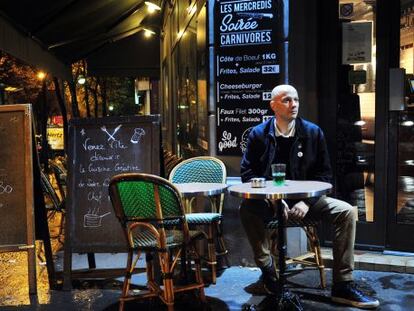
column 288, row 301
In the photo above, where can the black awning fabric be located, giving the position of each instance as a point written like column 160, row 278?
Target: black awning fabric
column 71, row 30
column 130, row 57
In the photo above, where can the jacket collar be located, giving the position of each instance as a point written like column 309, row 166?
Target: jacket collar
column 300, row 130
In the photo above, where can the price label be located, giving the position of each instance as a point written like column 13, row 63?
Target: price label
column 266, row 95
column 270, row 69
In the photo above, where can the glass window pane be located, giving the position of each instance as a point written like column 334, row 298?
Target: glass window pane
column 356, row 108
column 405, row 198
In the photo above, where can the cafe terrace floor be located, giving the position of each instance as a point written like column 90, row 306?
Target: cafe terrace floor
column 236, row 286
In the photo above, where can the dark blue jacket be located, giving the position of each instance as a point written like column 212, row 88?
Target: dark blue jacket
column 309, row 158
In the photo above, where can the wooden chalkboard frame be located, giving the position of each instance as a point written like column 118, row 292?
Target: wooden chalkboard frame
column 73, row 244
column 28, row 242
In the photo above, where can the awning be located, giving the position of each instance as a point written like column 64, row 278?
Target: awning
column 52, row 34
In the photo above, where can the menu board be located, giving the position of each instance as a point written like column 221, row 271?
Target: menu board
column 99, row 149
column 250, row 43
column 16, row 179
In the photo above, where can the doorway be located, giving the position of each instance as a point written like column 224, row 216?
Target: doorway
column 401, row 122
column 357, row 53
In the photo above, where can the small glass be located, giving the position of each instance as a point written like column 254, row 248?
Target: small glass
column 279, row 174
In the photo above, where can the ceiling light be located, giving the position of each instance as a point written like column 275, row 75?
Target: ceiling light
column 148, row 32
column 152, row 7
column 360, row 123
column 407, row 123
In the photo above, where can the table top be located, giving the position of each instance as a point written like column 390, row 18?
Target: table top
column 293, row 189
column 205, row 189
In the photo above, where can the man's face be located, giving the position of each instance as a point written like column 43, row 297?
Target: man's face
column 285, row 104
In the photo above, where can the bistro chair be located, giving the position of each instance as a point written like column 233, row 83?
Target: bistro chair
column 146, row 205
column 60, row 174
column 313, row 258
column 205, row 170
column 54, row 204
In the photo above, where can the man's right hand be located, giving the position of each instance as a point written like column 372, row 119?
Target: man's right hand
column 286, row 210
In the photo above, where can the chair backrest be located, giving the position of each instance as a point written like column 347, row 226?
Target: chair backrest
column 199, row 169
column 60, row 173
column 144, row 197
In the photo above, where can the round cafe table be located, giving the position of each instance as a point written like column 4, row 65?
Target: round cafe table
column 292, row 189
column 189, row 191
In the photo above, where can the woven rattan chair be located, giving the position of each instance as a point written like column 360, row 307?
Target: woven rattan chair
column 146, row 205
column 312, row 259
column 205, row 170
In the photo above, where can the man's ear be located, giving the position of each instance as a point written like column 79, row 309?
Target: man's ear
column 272, row 105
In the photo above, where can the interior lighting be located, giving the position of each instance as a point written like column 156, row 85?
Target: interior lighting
column 407, row 123
column 360, row 123
column 152, row 7
column 180, row 34
column 361, row 159
column 41, row 75
column 148, row 32
column 192, row 9
column 111, row 108
column 81, row 79
column 409, row 162
column 12, row 89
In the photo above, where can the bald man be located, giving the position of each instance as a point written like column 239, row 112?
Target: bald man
column 301, row 145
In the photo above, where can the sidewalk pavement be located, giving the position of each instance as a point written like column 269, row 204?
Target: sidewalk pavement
column 236, row 287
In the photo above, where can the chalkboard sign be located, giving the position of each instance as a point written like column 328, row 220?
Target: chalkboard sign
column 251, row 45
column 16, row 179
column 98, row 149
column 16, row 185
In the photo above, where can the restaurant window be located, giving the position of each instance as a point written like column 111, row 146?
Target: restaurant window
column 356, row 108
column 405, row 161
column 184, row 74
column 187, row 91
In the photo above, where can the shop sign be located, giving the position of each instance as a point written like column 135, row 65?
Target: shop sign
column 55, row 138
column 251, row 39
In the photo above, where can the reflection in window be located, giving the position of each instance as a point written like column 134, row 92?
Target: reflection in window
column 405, row 203
column 187, row 115
column 356, row 110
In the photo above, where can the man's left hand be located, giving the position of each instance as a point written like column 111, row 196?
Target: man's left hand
column 299, row 210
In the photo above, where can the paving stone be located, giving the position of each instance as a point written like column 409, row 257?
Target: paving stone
column 397, row 265
column 382, row 263
column 366, row 263
column 409, row 266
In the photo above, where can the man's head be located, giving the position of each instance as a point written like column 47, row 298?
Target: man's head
column 285, row 102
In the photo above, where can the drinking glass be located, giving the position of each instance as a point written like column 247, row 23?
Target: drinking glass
column 279, row 174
